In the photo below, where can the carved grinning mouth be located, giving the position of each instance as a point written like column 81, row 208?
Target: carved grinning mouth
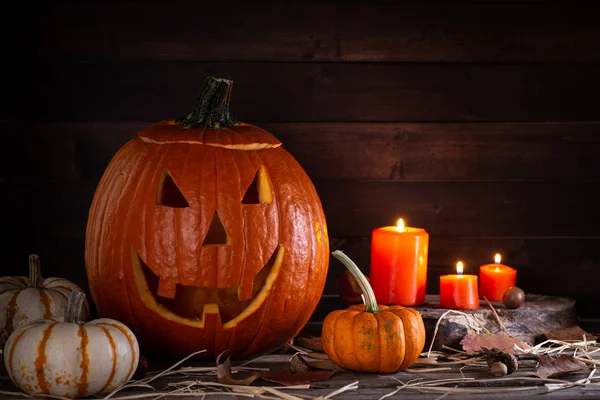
column 191, row 303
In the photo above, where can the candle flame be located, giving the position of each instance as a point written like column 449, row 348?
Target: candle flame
column 459, row 267
column 497, row 258
column 400, row 225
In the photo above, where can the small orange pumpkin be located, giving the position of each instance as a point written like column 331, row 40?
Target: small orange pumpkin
column 372, row 337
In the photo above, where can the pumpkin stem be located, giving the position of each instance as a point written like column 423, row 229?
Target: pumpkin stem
column 363, row 283
column 74, row 304
column 35, row 272
column 211, row 109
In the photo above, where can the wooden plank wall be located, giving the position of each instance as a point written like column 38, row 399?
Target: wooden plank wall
column 476, row 120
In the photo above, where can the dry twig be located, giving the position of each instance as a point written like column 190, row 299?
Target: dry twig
column 497, row 316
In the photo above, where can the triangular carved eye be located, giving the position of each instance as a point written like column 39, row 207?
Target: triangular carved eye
column 259, row 191
column 168, row 193
column 216, row 235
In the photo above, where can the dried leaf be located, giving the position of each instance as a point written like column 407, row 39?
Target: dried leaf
column 226, row 377
column 287, row 378
column 473, row 343
column 311, row 343
column 549, row 366
column 571, row 333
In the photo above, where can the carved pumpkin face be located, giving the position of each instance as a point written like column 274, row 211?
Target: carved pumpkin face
column 206, row 239
column 212, row 242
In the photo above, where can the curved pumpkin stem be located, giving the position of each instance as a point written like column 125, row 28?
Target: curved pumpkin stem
column 74, row 304
column 35, row 272
column 361, row 279
column 211, row 109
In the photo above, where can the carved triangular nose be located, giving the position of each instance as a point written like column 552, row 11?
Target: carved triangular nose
column 216, row 235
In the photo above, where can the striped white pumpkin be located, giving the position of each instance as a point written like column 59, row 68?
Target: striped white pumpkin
column 70, row 358
column 26, row 299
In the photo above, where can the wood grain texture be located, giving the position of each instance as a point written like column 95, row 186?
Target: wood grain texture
column 368, row 151
column 377, row 386
column 316, row 92
column 538, row 315
column 319, row 31
column 354, row 209
column 483, row 209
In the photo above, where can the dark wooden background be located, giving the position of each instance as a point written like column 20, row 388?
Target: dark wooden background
column 477, row 121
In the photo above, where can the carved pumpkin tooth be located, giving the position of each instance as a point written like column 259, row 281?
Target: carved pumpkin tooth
column 210, row 308
column 166, row 288
column 248, row 290
column 211, row 316
column 245, row 291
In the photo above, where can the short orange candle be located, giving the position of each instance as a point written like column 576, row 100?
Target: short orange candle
column 496, row 279
column 399, row 264
column 459, row 291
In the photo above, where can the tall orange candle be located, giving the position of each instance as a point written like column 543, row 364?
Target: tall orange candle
column 399, row 264
column 496, row 279
column 459, row 291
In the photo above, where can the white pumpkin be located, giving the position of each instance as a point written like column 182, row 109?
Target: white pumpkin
column 70, row 358
column 26, row 299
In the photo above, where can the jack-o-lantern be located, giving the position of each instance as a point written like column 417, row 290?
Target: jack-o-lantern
column 205, row 234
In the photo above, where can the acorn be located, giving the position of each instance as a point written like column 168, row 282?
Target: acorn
column 514, row 297
column 500, row 363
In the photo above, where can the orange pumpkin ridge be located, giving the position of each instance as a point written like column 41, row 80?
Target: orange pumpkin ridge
column 83, row 385
column 10, row 313
column 372, row 337
column 113, row 350
column 41, row 359
column 45, row 299
column 10, row 352
column 131, row 340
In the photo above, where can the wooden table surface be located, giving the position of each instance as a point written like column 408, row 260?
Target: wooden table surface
column 464, row 381
column 370, row 386
column 375, row 386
